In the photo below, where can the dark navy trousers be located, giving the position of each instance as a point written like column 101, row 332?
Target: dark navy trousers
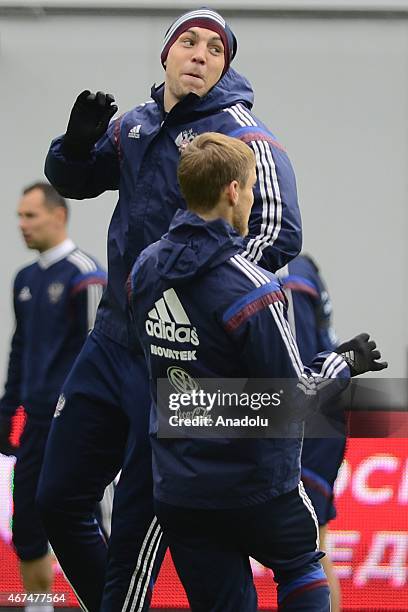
column 102, row 425
column 211, row 550
column 29, row 537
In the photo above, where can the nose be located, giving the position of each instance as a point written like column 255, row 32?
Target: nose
column 199, row 54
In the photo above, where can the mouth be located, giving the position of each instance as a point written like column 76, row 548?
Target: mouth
column 194, row 76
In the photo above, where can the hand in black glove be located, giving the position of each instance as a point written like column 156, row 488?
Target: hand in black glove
column 88, row 121
column 361, row 355
column 6, row 448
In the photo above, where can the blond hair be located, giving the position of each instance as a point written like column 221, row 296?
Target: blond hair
column 210, row 163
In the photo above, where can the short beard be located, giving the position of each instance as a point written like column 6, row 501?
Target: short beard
column 240, row 225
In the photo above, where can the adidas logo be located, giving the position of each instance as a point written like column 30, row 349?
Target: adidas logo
column 134, row 132
column 25, row 294
column 169, row 321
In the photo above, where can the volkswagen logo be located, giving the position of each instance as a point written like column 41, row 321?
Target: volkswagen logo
column 181, row 380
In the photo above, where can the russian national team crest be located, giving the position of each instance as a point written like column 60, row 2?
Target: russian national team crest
column 184, row 139
column 55, row 291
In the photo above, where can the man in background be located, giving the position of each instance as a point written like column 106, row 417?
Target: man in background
column 310, row 317
column 55, row 301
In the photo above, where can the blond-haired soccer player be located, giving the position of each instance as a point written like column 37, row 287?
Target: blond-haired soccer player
column 221, row 500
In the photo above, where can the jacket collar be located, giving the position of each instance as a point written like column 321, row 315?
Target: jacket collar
column 231, row 89
column 51, row 256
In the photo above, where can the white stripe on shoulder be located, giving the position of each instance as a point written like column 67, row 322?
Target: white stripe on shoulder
column 88, row 259
column 246, row 116
column 256, row 271
column 82, row 262
column 248, row 273
column 232, row 110
column 277, row 309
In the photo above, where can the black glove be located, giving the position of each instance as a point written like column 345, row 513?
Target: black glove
column 361, row 355
column 88, row 121
column 6, row 448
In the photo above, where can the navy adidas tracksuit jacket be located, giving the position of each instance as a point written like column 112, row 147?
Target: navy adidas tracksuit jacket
column 310, row 316
column 234, row 327
column 139, row 155
column 54, row 309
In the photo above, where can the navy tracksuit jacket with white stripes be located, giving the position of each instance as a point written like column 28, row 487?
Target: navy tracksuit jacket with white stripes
column 237, row 315
column 138, row 156
column 55, row 308
column 200, row 307
column 143, row 166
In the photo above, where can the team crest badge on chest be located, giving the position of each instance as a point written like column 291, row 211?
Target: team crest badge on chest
column 55, row 291
column 184, row 139
column 25, row 294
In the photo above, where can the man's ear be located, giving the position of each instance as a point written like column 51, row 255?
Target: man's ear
column 60, row 215
column 233, row 192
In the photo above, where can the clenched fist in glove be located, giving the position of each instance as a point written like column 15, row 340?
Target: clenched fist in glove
column 88, row 121
column 361, row 355
column 6, row 448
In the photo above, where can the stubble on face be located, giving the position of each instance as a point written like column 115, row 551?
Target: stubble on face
column 37, row 222
column 242, row 211
column 194, row 65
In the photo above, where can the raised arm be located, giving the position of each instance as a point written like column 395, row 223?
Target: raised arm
column 83, row 163
column 275, row 226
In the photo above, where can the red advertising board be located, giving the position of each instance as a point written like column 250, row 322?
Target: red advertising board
column 368, row 540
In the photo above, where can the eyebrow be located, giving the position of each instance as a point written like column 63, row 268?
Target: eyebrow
column 213, row 38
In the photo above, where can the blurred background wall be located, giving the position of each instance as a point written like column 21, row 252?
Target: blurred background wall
column 330, row 80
